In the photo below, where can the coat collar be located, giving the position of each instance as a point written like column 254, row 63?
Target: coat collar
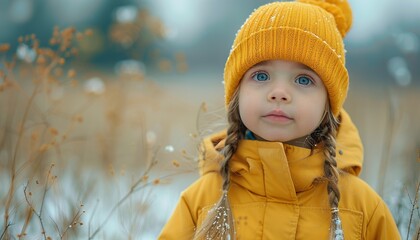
column 276, row 170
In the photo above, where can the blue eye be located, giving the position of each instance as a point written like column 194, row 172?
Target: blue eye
column 260, row 76
column 304, row 80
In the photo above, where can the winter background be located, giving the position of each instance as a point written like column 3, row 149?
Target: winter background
column 99, row 134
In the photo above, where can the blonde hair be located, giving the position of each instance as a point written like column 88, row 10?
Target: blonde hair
column 326, row 135
column 219, row 222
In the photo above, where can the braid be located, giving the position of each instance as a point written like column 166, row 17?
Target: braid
column 235, row 133
column 328, row 133
column 219, row 222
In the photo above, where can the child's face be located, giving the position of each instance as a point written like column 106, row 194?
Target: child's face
column 281, row 100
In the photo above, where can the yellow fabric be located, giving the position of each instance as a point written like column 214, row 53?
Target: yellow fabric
column 309, row 31
column 272, row 194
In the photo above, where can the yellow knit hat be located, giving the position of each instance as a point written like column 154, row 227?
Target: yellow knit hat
column 307, row 31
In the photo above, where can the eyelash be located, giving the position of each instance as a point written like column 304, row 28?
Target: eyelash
column 258, row 72
column 306, row 76
column 303, row 75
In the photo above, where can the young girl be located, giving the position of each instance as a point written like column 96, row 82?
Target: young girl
column 287, row 166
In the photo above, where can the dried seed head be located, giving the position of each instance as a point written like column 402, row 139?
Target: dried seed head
column 34, row 136
column 53, row 41
column 204, row 107
column 44, row 147
column 78, row 118
column 175, row 163
column 71, row 73
column 193, row 135
column 41, row 60
column 89, row 32
column 4, row 47
column 53, row 131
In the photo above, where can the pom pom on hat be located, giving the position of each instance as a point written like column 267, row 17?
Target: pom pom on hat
column 341, row 11
column 308, row 31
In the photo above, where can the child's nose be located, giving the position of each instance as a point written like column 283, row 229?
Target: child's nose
column 279, row 94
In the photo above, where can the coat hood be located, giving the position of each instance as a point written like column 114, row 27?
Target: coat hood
column 349, row 149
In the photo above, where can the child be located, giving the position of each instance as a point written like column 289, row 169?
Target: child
column 287, row 166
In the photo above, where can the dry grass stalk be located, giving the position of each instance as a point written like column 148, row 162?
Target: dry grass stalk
column 413, row 209
column 32, row 138
column 13, row 140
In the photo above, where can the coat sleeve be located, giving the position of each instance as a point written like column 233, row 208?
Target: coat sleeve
column 180, row 225
column 382, row 225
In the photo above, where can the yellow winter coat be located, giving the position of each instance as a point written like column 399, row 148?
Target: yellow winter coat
column 272, row 194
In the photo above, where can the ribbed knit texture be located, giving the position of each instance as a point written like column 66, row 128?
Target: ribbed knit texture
column 310, row 32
